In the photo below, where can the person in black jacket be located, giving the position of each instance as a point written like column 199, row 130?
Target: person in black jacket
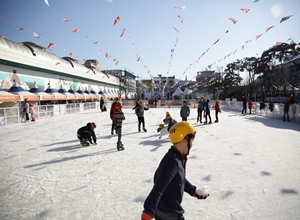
column 286, row 109
column 244, row 110
column 164, row 200
column 86, row 133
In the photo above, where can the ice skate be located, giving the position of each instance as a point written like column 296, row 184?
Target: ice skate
column 120, row 146
column 209, row 122
column 84, row 143
column 144, row 129
column 216, row 121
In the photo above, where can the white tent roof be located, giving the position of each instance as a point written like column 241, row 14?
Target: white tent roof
column 178, row 92
column 187, row 91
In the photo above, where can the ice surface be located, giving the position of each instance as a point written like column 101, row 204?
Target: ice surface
column 250, row 165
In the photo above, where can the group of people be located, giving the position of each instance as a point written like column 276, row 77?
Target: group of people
column 203, row 109
column 26, row 109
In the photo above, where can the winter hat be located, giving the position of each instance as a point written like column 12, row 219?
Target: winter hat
column 30, row 104
column 167, row 114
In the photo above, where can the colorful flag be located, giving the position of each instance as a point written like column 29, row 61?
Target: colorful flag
column 123, row 32
column 278, row 43
column 258, row 36
column 269, row 28
column 285, row 18
column 245, row 10
column 50, row 45
column 216, row 42
column 233, row 20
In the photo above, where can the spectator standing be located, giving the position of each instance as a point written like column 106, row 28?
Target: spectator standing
column 244, row 110
column 184, row 111
column 101, row 104
column 31, row 111
column 25, row 109
column 286, row 109
column 250, row 104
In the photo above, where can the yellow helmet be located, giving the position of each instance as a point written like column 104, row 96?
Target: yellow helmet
column 140, row 102
column 217, row 100
column 180, row 130
column 167, row 113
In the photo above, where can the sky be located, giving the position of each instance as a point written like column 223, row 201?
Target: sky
column 250, row 170
column 152, row 29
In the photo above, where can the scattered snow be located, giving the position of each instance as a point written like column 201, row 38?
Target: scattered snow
column 249, row 164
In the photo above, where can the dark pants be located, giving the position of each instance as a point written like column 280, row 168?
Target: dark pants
column 27, row 116
column 119, row 132
column 199, row 116
column 207, row 114
column 184, row 118
column 168, row 216
column 244, row 109
column 141, row 121
column 113, row 127
column 217, row 115
column 287, row 115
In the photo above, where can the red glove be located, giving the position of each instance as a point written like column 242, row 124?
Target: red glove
column 145, row 216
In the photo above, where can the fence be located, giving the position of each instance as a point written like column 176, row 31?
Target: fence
column 12, row 115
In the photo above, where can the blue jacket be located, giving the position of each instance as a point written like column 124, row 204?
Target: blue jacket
column 169, row 185
column 206, row 106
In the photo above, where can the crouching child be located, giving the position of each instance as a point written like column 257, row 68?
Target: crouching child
column 86, row 133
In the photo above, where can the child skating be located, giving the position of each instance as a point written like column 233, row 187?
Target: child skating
column 217, row 109
column 139, row 111
column 86, row 133
column 118, row 119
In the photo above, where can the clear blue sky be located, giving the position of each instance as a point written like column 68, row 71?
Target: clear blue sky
column 150, row 26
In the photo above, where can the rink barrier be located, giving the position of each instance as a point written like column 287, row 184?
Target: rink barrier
column 12, row 115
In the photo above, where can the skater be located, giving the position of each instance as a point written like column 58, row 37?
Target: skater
column 102, row 104
column 271, row 106
column 112, row 112
column 250, row 104
column 200, row 109
column 164, row 200
column 244, row 110
column 118, row 119
column 136, row 104
column 165, row 129
column 25, row 110
column 86, row 133
column 217, row 109
column 139, row 111
column 31, row 111
column 166, row 120
column 286, row 109
column 207, row 111
column 184, row 111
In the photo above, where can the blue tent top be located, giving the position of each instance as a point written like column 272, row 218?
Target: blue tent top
column 16, row 88
column 93, row 92
column 100, row 92
column 49, row 90
column 87, row 92
column 71, row 91
column 62, row 90
column 35, row 90
column 79, row 91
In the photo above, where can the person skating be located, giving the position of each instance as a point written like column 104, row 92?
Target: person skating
column 139, row 111
column 118, row 119
column 86, row 133
column 207, row 111
column 286, row 109
column 164, row 200
column 102, row 104
column 217, row 110
column 112, row 112
column 200, row 109
column 184, row 111
column 165, row 129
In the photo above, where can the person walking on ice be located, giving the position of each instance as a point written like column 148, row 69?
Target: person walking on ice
column 184, row 111
column 139, row 111
column 118, row 119
column 164, row 200
column 113, row 107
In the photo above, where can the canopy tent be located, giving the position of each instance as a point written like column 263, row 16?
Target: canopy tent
column 178, row 92
column 93, row 93
column 92, row 96
column 43, row 96
column 57, row 95
column 22, row 93
column 106, row 94
column 187, row 91
column 69, row 96
column 8, row 97
column 81, row 92
column 78, row 96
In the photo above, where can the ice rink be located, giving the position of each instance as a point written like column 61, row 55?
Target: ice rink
column 250, row 164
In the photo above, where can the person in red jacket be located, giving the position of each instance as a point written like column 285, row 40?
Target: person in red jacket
column 218, row 109
column 250, row 106
column 164, row 200
column 113, row 109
